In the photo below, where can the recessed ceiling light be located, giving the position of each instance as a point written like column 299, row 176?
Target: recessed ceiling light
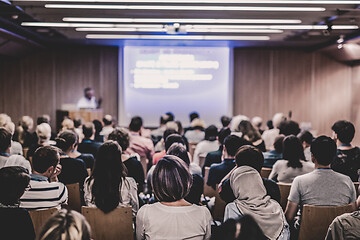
column 177, row 37
column 204, row 1
column 186, row 8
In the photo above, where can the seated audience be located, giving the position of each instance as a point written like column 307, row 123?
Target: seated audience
column 270, row 134
column 78, row 129
column 15, row 222
column 321, row 187
column 289, row 127
column 22, row 133
column 192, row 117
column 208, row 145
column 5, row 121
column 215, row 156
column 197, row 187
column 7, row 160
column 43, row 134
column 160, row 146
column 88, row 158
column 172, row 217
column 158, row 133
column 257, row 122
column 98, row 128
column 108, row 187
column 347, row 159
column 252, row 199
column 195, row 133
column 306, row 139
column 132, row 164
column 345, row 226
column 252, row 135
column 67, row 124
column 66, row 225
column 89, row 145
column 73, row 169
column 219, row 170
column 108, row 126
column 293, row 164
column 272, row 156
column 45, row 191
column 139, row 144
column 225, row 121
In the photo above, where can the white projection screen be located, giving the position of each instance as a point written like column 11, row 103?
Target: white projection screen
column 154, row 80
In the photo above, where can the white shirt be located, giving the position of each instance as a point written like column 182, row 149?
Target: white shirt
column 106, row 131
column 204, row 147
column 15, row 160
column 86, row 103
column 16, row 148
column 158, row 221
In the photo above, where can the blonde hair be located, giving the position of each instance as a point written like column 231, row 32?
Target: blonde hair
column 66, row 225
column 67, row 124
column 43, row 131
column 197, row 122
column 4, row 119
column 26, row 123
column 277, row 119
column 10, row 126
column 172, row 125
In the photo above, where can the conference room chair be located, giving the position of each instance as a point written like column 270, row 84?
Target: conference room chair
column 74, row 200
column 111, row 226
column 284, row 193
column 208, row 191
column 219, row 207
column 315, row 220
column 40, row 217
column 202, row 157
column 356, row 184
column 192, row 147
column 265, row 172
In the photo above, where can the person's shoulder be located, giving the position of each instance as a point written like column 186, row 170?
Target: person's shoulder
column 86, row 156
column 216, row 166
column 131, row 181
column 203, row 210
column 280, row 163
column 341, row 177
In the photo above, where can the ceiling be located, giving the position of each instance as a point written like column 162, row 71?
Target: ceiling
column 134, row 20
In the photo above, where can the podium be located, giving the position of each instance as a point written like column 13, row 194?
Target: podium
column 87, row 115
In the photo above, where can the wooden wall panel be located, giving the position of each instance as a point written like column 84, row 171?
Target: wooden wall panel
column 355, row 101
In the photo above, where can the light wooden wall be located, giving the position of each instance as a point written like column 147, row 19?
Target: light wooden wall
column 314, row 87
column 39, row 83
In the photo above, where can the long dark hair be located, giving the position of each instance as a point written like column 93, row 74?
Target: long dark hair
column 108, row 176
column 293, row 151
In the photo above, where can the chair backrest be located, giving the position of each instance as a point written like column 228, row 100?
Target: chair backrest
column 356, row 184
column 208, row 191
column 284, row 193
column 219, row 207
column 202, row 157
column 315, row 220
column 112, row 226
column 192, row 147
column 74, row 200
column 265, row 172
column 40, row 217
column 144, row 162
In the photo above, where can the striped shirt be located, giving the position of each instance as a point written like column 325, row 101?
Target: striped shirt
column 44, row 194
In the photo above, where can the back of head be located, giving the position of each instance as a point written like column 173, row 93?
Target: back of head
column 98, row 126
column 135, row 124
column 225, row 121
column 193, row 115
column 108, row 175
column 248, row 130
column 256, row 121
column 269, row 124
column 164, row 119
column 10, row 126
column 121, row 136
column 65, row 140
column 278, row 143
column 168, row 132
column 45, row 157
column 344, row 130
column 172, row 125
column 179, row 150
column 107, row 120
column 26, row 122
column 66, row 225
column 223, row 133
column 249, row 156
column 289, row 128
column 77, row 122
column 197, row 123
column 277, row 119
column 171, row 116
column 13, row 181
column 293, row 151
column 171, row 179
column 43, row 119
column 88, row 129
column 5, row 139
column 211, row 133
column 4, row 118
column 305, row 136
column 43, row 131
column 323, row 149
column 173, row 138
column 67, row 124
column 232, row 144
column 235, row 121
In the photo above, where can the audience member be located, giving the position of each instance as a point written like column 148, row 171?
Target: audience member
column 73, row 169
column 225, row 121
column 306, row 139
column 157, row 156
column 252, row 135
column 345, row 227
column 132, row 164
column 7, row 160
column 215, row 156
column 196, row 133
column 197, row 187
column 293, row 164
column 257, row 123
column 347, row 159
column 43, row 133
column 89, row 145
column 98, row 128
column 108, row 187
column 67, row 124
column 209, row 144
column 160, row 146
column 5, row 121
column 108, row 126
column 270, row 134
column 66, row 225
column 219, row 170
column 45, row 191
column 289, row 127
column 235, row 121
column 22, row 132
column 88, row 158
column 252, row 199
column 321, row 187
column 172, row 217
column 15, row 222
column 139, row 144
column 270, row 157
column 78, row 128
column 158, row 133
